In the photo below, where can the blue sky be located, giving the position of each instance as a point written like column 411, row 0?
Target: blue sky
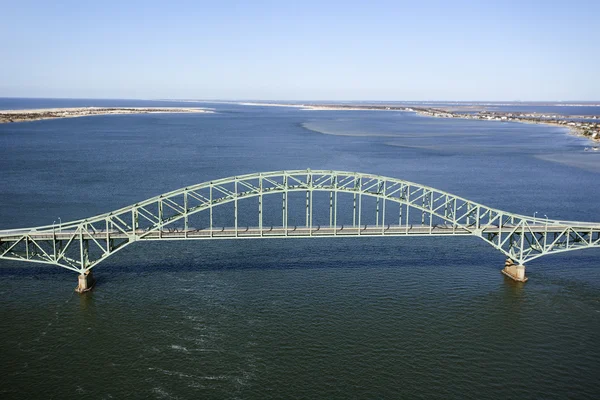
column 305, row 50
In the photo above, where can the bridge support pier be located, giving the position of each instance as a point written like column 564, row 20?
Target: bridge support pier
column 513, row 271
column 86, row 282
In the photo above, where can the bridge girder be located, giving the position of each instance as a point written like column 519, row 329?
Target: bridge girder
column 80, row 245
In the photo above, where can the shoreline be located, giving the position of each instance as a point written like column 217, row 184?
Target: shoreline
column 585, row 129
column 15, row 116
column 588, row 130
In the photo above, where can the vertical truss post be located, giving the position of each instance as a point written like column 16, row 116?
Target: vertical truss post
column 360, row 205
column 383, row 210
column 454, row 221
column 400, row 206
column 81, row 255
column 283, row 211
column 423, row 208
column 310, row 211
column 400, row 197
column 468, row 214
column 108, row 249
column 235, row 205
column 431, row 211
column 210, row 209
column 331, row 201
column 285, row 204
column 335, row 203
column 546, row 237
column 134, row 221
column 307, row 199
column 445, row 208
column 307, row 208
column 160, row 218
column 260, row 204
column 377, row 211
column 55, row 254
column 377, row 203
column 407, row 207
column 185, row 214
column 354, row 211
column 499, row 228
column 331, row 209
column 356, row 189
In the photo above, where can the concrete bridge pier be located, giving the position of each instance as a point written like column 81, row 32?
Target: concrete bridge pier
column 514, row 271
column 86, row 282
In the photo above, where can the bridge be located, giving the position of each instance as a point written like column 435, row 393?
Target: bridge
column 295, row 204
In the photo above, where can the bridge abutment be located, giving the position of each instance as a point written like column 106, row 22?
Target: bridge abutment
column 86, row 282
column 514, row 271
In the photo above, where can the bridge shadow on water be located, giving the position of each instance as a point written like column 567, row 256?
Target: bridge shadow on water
column 466, row 255
column 284, row 254
column 275, row 254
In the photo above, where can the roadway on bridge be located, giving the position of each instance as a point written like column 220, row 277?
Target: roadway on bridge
column 279, row 231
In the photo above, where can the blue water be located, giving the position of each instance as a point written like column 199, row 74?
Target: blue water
column 330, row 318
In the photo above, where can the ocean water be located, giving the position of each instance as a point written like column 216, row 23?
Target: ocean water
column 324, row 318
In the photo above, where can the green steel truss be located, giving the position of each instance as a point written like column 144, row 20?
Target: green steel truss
column 394, row 208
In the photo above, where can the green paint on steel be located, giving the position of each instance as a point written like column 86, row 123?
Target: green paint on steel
column 81, row 245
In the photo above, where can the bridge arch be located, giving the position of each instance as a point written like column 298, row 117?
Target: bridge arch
column 80, row 245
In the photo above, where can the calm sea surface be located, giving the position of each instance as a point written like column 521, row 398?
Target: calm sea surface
column 331, row 318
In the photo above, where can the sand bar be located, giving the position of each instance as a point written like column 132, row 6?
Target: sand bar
column 7, row 116
column 589, row 129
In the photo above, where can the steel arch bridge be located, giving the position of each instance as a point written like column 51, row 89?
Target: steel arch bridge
column 296, row 204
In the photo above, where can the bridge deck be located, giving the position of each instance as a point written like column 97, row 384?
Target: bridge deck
column 279, row 231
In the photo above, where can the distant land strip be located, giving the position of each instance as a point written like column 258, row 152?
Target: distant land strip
column 7, row 116
column 580, row 125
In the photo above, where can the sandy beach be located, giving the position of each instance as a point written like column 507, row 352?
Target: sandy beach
column 7, row 116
